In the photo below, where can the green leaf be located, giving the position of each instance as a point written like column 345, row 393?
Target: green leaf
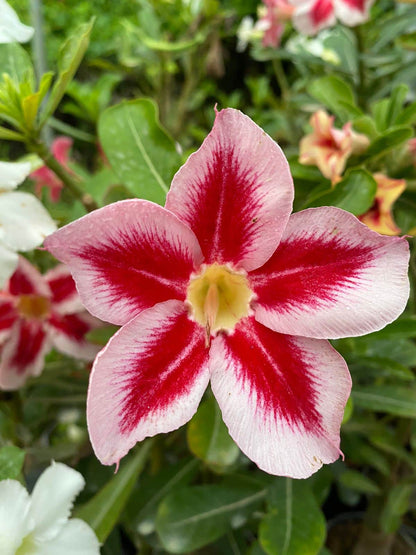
column 295, row 523
column 196, row 516
column 10, row 135
column 366, row 125
column 354, row 193
column 336, row 94
column 140, row 151
column 11, row 462
column 208, row 437
column 387, row 442
column 357, row 481
column 70, row 57
column 103, row 510
column 408, row 115
column 403, row 327
column 397, row 98
column 380, row 367
column 15, row 61
column 397, row 400
column 395, row 507
column 390, row 139
column 152, row 489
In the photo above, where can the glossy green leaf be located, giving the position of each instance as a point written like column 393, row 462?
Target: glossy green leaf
column 208, row 437
column 11, row 462
column 294, row 523
column 70, row 57
column 336, row 95
column 357, row 481
column 196, row 516
column 390, row 139
column 397, row 400
column 140, row 151
column 152, row 489
column 103, row 510
column 354, row 193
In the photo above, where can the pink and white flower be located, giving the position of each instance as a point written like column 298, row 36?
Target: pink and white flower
column 273, row 16
column 38, row 313
column 310, row 16
column 223, row 285
column 45, row 177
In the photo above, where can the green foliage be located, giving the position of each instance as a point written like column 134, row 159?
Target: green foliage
column 11, row 462
column 140, row 151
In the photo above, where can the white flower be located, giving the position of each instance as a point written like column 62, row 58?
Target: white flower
column 24, row 222
column 39, row 524
column 11, row 28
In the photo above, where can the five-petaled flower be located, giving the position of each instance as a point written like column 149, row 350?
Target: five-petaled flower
column 39, row 523
column 44, row 177
column 328, row 147
column 380, row 216
column 310, row 16
column 37, row 313
column 224, row 286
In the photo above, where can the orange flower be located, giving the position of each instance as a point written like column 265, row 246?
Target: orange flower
column 328, row 147
column 380, row 218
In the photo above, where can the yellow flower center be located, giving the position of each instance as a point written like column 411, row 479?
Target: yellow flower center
column 219, row 297
column 33, row 307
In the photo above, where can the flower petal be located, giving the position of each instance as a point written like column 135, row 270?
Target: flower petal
column 52, row 499
column 353, row 12
column 126, row 257
column 282, row 397
column 27, row 280
column 65, row 296
column 75, row 538
column 8, row 263
column 12, row 173
column 149, row 379
column 67, row 333
column 15, row 523
column 312, row 16
column 24, row 221
column 11, row 28
column 331, row 277
column 235, row 192
column 8, row 316
column 23, row 354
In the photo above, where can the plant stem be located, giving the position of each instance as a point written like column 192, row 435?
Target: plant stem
column 71, row 183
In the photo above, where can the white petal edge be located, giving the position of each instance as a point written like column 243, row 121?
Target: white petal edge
column 52, row 499
column 75, row 538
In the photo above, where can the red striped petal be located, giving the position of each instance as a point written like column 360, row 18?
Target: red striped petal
column 23, row 354
column 235, row 192
column 328, row 277
column 282, row 397
column 148, row 380
column 67, row 332
column 65, row 296
column 26, row 280
column 127, row 257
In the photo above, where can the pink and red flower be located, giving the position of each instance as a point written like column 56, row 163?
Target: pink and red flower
column 44, row 177
column 223, row 285
column 38, row 313
column 272, row 20
column 310, row 16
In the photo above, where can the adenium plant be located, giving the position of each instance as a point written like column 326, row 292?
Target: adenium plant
column 224, row 286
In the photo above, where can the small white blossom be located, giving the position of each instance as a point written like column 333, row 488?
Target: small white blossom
column 39, row 523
